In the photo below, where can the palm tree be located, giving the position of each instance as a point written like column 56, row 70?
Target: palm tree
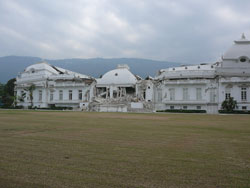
column 31, row 88
column 229, row 104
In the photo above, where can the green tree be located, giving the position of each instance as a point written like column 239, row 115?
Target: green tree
column 8, row 96
column 1, row 93
column 229, row 104
column 1, row 89
column 31, row 88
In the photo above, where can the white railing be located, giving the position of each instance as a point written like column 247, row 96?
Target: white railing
column 67, row 101
column 68, row 84
column 186, row 73
column 167, row 101
column 169, row 82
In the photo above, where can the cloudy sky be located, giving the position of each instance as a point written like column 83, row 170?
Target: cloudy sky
column 188, row 31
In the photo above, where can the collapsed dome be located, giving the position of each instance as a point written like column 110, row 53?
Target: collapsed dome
column 119, row 76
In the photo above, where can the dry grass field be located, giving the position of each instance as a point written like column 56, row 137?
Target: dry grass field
column 77, row 149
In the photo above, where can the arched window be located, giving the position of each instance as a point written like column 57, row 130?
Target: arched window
column 243, row 59
column 32, row 70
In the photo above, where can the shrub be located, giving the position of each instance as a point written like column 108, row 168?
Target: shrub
column 182, row 111
column 11, row 107
column 234, row 112
column 229, row 104
column 54, row 108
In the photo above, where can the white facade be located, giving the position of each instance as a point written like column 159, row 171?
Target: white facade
column 196, row 87
column 206, row 86
column 53, row 87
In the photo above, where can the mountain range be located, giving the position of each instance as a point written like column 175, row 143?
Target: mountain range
column 10, row 66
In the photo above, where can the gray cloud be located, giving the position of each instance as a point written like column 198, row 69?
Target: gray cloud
column 190, row 31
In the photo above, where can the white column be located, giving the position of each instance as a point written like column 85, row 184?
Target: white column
column 111, row 92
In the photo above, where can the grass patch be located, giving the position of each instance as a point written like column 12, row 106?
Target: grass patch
column 78, row 149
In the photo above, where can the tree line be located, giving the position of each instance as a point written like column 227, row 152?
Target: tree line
column 7, row 93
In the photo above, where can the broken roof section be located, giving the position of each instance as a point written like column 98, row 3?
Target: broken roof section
column 119, row 76
column 51, row 70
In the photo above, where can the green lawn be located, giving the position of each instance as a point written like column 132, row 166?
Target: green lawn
column 78, row 149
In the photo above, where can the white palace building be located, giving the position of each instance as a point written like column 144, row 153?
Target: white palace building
column 196, row 87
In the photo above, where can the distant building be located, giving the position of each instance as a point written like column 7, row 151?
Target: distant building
column 206, row 86
column 54, row 86
column 196, row 87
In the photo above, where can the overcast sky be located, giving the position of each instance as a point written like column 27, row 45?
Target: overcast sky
column 188, row 31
